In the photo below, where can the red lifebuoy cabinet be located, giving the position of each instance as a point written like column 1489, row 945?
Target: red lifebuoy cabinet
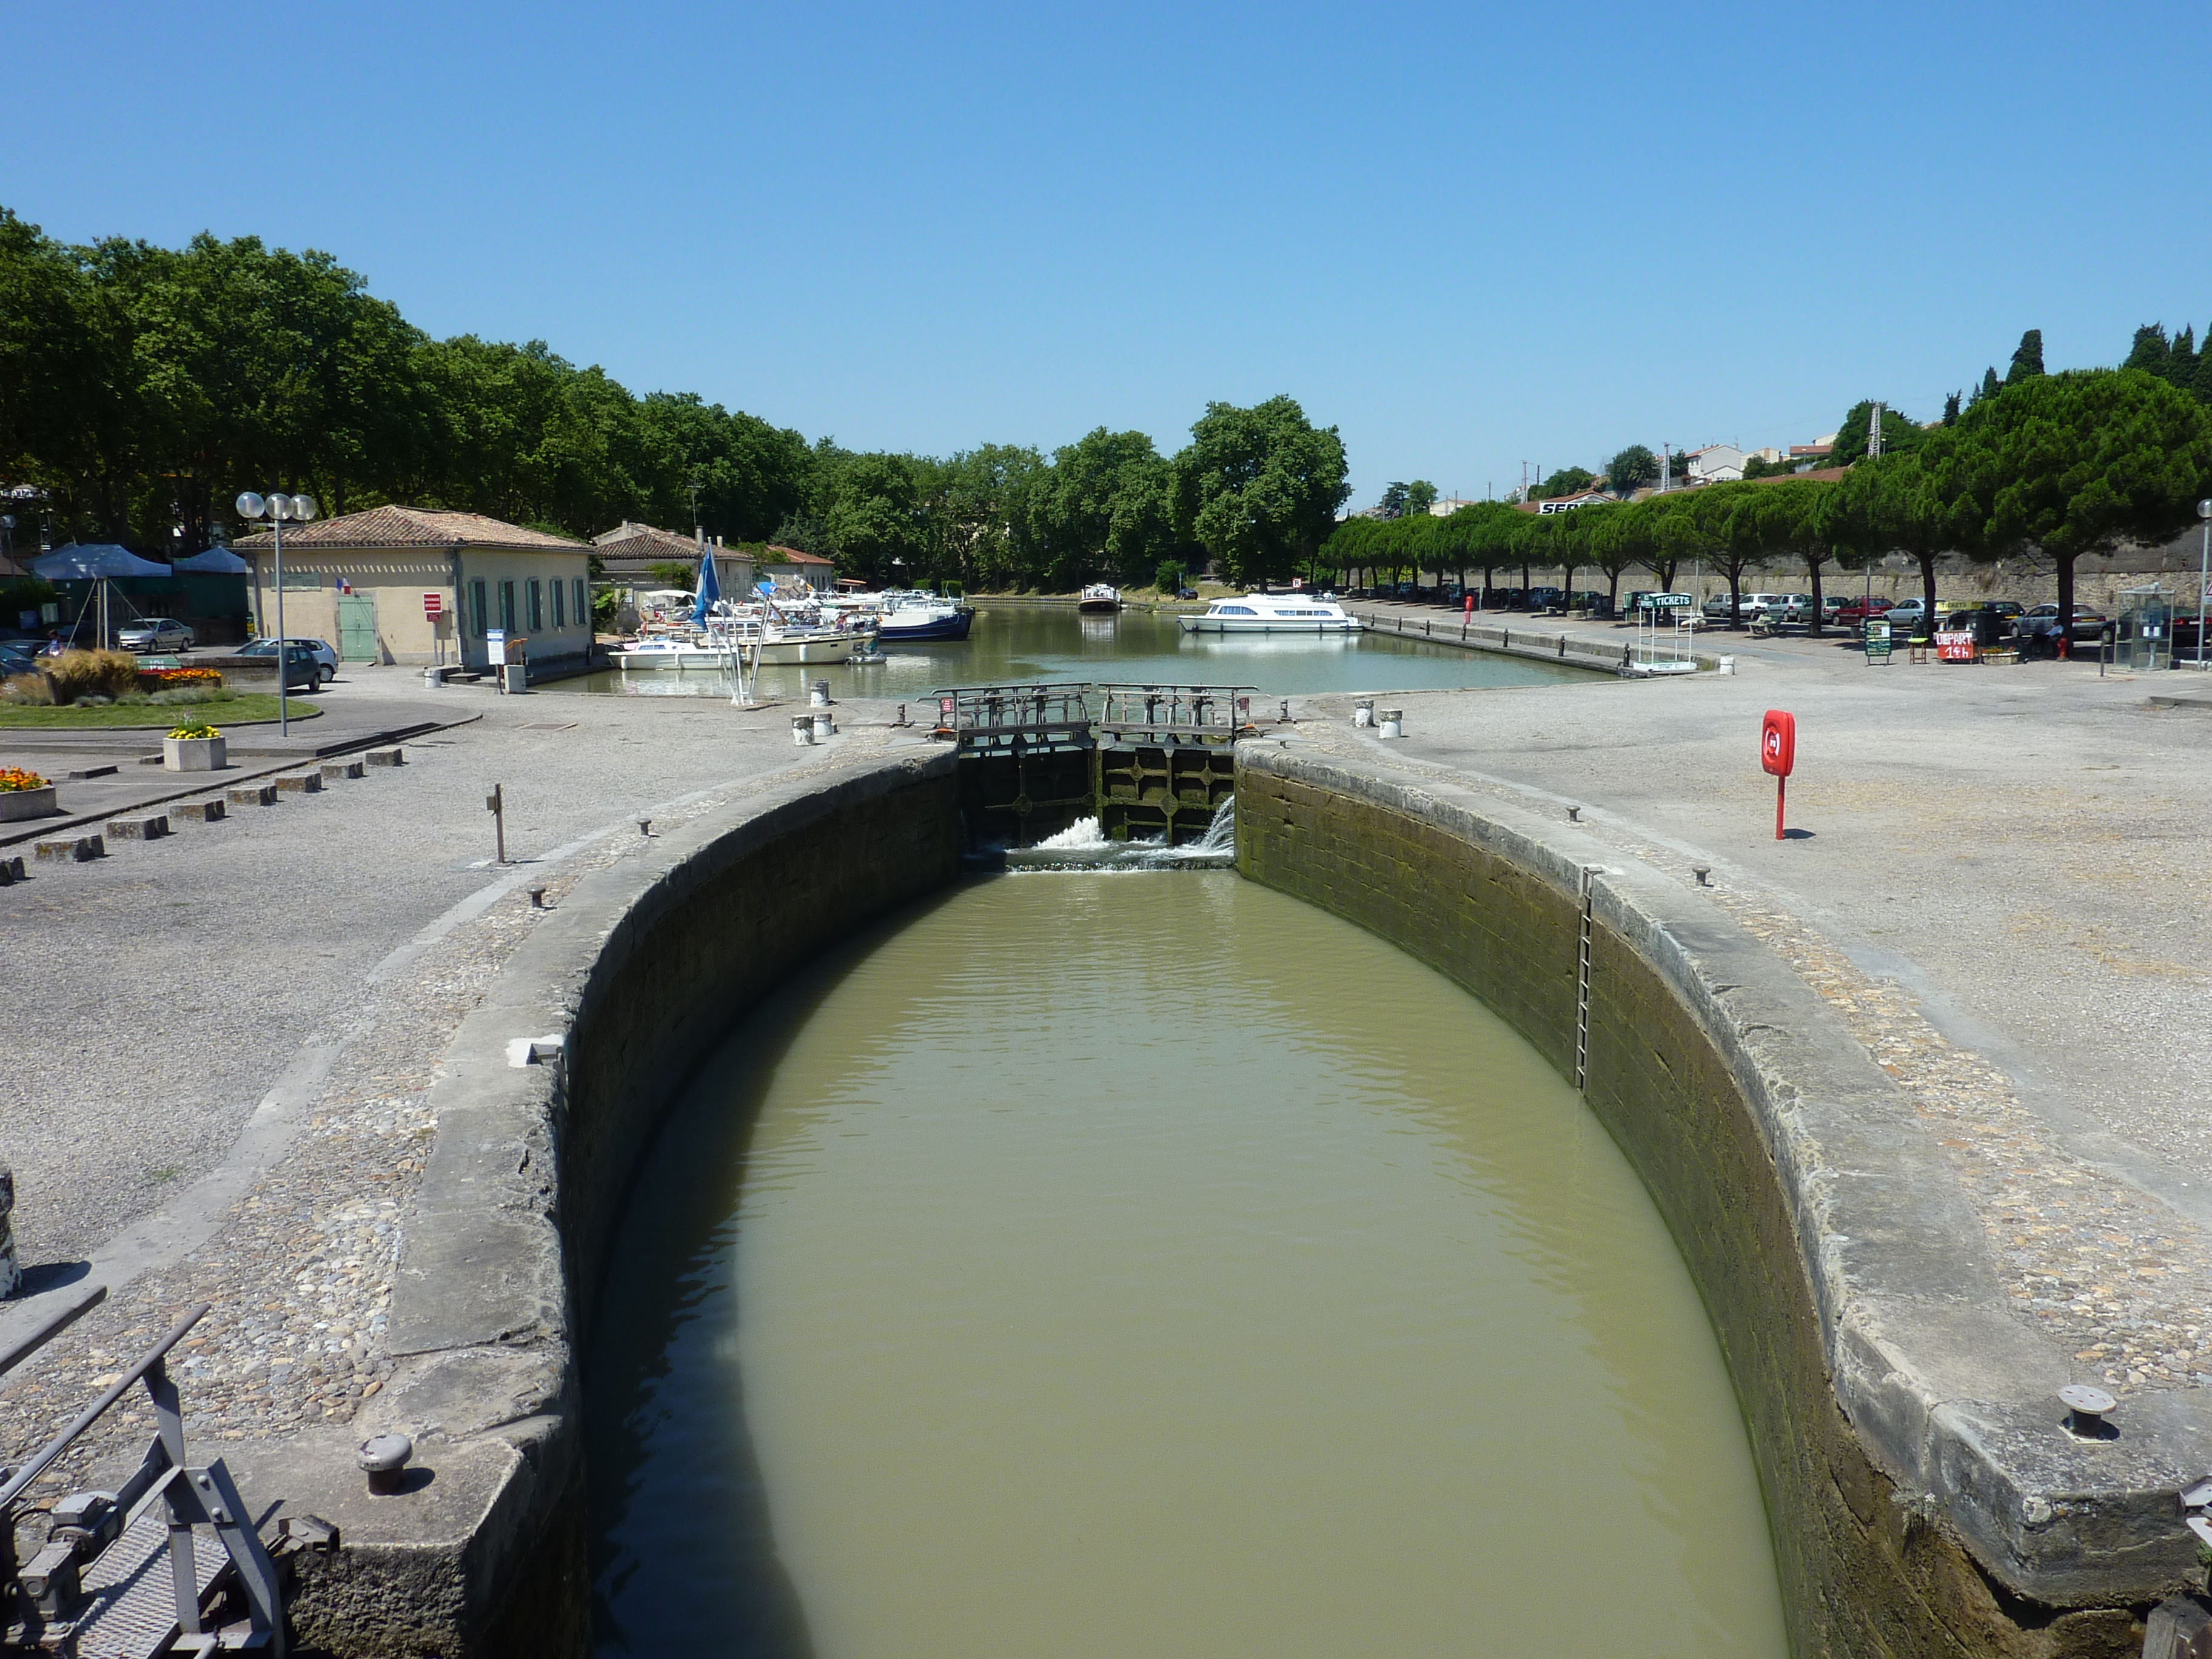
column 1777, row 754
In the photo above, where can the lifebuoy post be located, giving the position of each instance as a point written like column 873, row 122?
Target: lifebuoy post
column 1778, row 753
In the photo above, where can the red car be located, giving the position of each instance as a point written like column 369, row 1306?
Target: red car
column 1855, row 611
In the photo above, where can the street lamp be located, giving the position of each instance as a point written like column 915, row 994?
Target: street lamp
column 277, row 509
column 2203, row 573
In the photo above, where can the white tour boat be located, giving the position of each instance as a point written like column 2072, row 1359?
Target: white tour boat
column 1274, row 613
column 1099, row 598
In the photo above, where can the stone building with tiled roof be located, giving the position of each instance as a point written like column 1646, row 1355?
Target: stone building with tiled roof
column 628, row 552
column 414, row 584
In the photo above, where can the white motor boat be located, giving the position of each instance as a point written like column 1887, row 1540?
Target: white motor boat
column 1274, row 613
column 1099, row 598
column 773, row 651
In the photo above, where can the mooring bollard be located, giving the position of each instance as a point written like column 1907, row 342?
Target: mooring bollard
column 1728, row 665
column 818, row 695
column 1394, row 723
column 1363, row 712
column 802, row 730
column 384, row 1459
column 824, row 729
column 495, row 803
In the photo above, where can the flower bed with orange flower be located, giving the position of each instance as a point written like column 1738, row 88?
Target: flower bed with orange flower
column 171, row 679
column 13, row 779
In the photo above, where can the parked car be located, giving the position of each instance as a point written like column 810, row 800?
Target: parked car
column 1795, row 608
column 156, row 634
column 1854, row 612
column 2041, row 621
column 1716, row 606
column 1546, row 599
column 16, row 660
column 1597, row 606
column 318, row 652
column 1988, row 627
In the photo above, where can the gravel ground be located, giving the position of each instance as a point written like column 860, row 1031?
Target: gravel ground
column 299, row 1269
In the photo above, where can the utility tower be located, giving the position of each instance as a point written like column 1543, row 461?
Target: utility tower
column 1873, row 432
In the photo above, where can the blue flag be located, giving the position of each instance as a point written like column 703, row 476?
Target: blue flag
column 709, row 589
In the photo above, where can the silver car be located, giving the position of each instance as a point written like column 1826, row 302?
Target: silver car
column 156, row 634
column 326, row 660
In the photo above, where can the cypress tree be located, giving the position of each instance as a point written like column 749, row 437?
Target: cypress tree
column 2151, row 352
column 1951, row 410
column 2202, row 383
column 2027, row 358
column 1986, row 389
column 2182, row 362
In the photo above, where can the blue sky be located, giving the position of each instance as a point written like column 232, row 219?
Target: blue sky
column 1468, row 237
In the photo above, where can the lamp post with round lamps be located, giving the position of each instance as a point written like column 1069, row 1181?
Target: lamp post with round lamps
column 277, row 509
column 2203, row 576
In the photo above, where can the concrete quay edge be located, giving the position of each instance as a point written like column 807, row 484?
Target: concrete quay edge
column 229, row 777
column 1950, row 1393
column 491, row 1299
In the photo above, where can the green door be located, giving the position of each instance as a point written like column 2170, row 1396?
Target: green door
column 357, row 627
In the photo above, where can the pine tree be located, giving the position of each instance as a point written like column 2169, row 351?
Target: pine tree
column 1951, row 410
column 2151, row 352
column 2027, row 358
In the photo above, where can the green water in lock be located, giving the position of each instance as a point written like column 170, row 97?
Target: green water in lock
column 1152, row 1264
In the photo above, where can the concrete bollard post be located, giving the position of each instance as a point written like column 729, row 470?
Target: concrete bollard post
column 802, row 730
column 1394, row 723
column 11, row 1271
column 824, row 727
column 1728, row 665
column 1363, row 712
column 818, row 695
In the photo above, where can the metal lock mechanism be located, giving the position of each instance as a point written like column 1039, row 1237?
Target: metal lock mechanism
column 2196, row 1509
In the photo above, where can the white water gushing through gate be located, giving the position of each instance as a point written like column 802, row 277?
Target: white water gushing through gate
column 1085, row 846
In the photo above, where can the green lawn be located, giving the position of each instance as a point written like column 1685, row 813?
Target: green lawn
column 249, row 709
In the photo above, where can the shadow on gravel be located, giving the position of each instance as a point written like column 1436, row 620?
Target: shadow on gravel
column 52, row 1276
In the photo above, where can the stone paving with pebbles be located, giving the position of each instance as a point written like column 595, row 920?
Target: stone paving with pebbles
column 2108, row 1269
column 298, row 1274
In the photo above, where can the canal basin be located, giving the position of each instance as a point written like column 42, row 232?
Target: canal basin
column 1233, row 1285
column 1015, row 643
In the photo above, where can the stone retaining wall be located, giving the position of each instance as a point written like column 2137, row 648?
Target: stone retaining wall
column 546, row 1099
column 1924, row 1499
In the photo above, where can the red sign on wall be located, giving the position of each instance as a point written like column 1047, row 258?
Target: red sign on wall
column 1778, row 741
column 433, row 605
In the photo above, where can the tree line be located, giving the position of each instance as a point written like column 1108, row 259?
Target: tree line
column 2066, row 466
column 143, row 387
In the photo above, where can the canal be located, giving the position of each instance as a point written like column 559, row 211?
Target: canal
column 1012, row 643
column 1229, row 1284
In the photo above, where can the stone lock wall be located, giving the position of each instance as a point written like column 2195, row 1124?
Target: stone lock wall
column 545, row 1100
column 1841, row 1276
